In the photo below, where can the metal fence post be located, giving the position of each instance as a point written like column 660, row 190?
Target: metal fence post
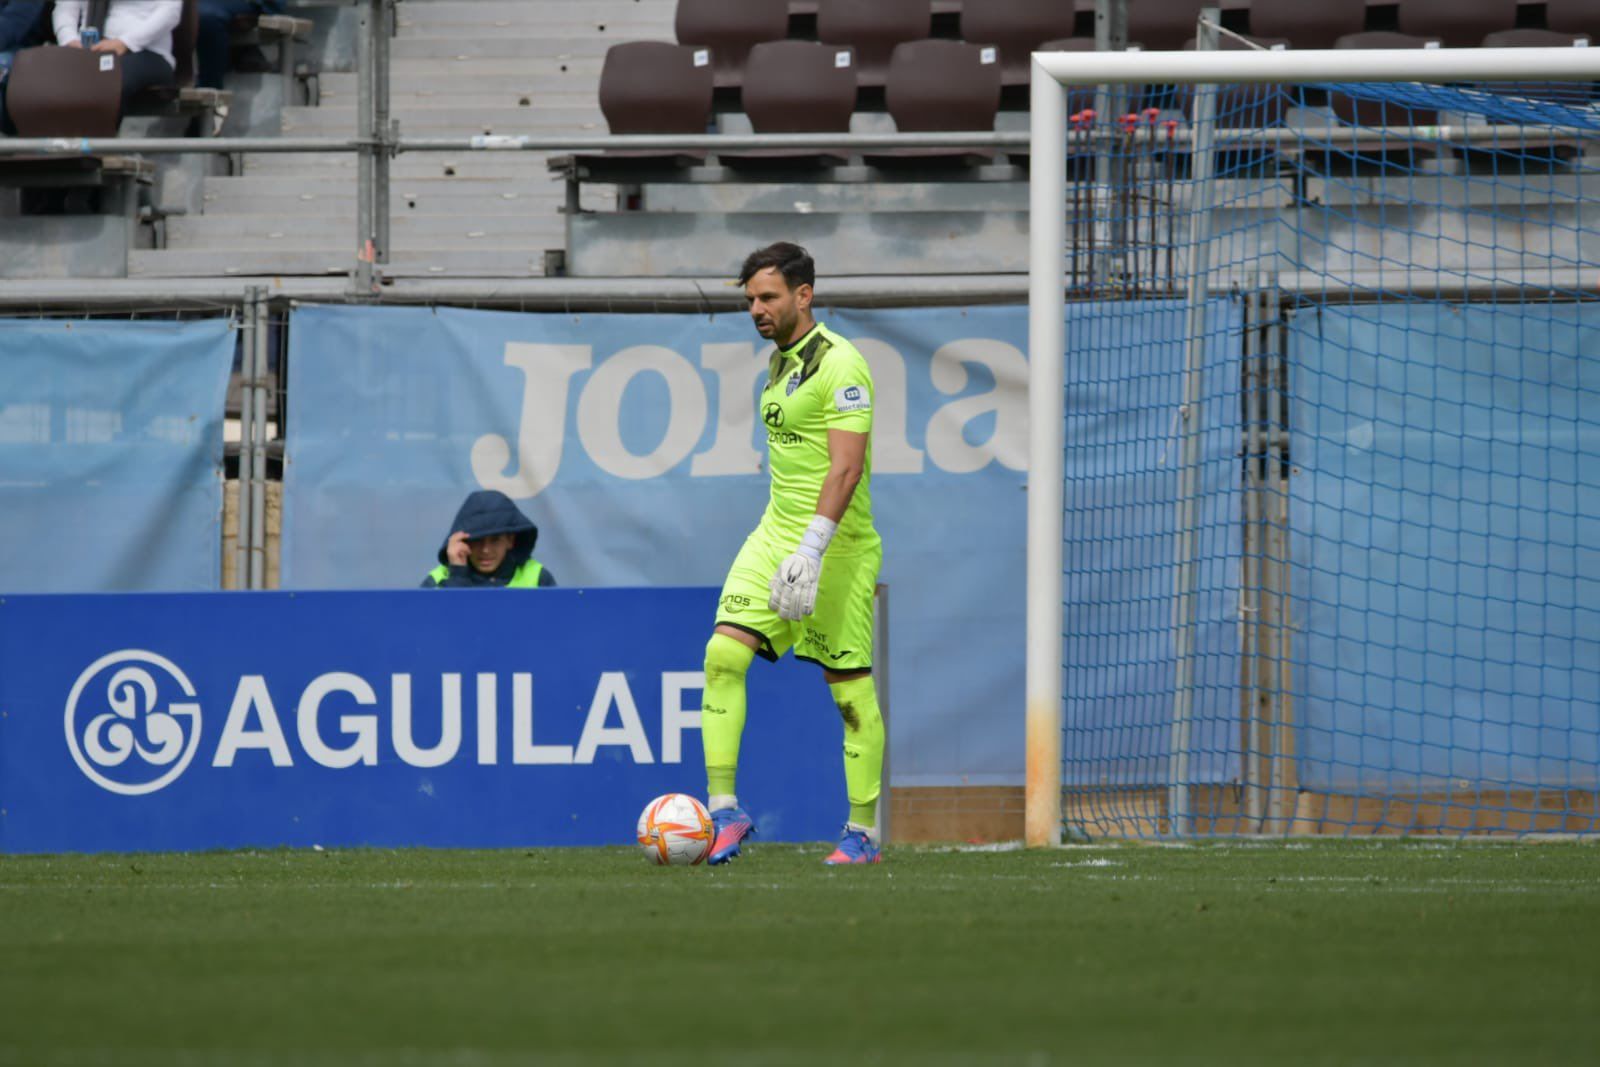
column 383, row 128
column 256, row 382
column 249, row 326
column 1179, row 812
column 1110, row 166
column 366, row 173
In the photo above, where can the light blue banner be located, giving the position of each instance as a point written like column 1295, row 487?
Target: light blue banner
column 111, row 455
column 631, row 441
column 1446, row 546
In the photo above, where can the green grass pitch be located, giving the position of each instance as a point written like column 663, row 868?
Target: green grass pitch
column 1283, row 953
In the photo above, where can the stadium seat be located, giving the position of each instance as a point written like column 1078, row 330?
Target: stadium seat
column 939, row 85
column 1164, row 24
column 1307, row 25
column 1017, row 27
column 1573, row 16
column 63, row 92
column 1458, row 23
column 796, row 87
column 730, row 28
column 874, row 30
column 651, row 87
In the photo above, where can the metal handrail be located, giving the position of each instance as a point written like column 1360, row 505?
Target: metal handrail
column 1021, row 139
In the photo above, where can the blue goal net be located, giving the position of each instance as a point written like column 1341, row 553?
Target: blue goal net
column 1332, row 466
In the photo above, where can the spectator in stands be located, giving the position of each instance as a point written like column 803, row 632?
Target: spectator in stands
column 137, row 31
column 22, row 25
column 490, row 544
column 211, row 47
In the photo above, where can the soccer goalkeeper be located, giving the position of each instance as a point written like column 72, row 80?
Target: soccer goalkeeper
column 805, row 577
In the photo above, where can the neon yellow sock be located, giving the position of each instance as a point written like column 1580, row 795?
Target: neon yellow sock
column 863, row 746
column 722, row 710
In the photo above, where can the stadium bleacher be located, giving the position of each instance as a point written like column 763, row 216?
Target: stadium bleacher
column 457, row 69
column 469, row 67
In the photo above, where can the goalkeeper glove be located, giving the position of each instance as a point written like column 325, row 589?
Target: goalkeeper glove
column 794, row 587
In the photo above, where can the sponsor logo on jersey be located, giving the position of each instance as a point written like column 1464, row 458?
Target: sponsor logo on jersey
column 772, row 414
column 851, row 398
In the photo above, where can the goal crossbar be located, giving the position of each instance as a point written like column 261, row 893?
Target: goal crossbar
column 1286, row 66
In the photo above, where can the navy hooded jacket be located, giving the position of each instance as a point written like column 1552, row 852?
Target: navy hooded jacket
column 482, row 514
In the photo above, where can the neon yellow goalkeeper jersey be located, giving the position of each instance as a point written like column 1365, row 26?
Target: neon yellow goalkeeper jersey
column 817, row 384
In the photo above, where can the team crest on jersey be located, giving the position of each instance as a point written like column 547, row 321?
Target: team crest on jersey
column 794, row 383
column 851, row 398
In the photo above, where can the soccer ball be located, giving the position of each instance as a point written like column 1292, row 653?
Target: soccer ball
column 675, row 829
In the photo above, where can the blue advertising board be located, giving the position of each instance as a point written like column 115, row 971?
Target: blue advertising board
column 463, row 718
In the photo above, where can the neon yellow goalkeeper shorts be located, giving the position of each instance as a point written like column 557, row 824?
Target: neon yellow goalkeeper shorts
column 837, row 635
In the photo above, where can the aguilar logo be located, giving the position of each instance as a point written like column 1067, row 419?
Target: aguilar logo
column 132, row 722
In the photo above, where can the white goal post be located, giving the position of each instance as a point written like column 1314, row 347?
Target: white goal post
column 1052, row 74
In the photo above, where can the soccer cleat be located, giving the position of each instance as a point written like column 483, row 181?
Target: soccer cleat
column 854, row 847
column 732, row 826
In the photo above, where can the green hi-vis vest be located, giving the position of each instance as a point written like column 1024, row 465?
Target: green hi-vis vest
column 526, row 577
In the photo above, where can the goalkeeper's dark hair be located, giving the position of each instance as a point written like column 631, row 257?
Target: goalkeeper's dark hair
column 790, row 260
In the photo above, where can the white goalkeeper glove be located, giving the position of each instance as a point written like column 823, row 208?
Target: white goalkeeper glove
column 794, row 587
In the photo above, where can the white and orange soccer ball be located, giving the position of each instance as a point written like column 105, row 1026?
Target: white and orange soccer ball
column 675, row 829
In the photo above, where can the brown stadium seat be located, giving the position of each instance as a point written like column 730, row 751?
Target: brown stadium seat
column 1165, row 24
column 62, row 92
column 730, row 28
column 1458, row 23
column 1307, row 23
column 1372, row 112
column 797, row 87
column 1017, row 27
column 1243, row 106
column 873, row 28
column 940, row 85
column 656, row 87
column 1573, row 16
